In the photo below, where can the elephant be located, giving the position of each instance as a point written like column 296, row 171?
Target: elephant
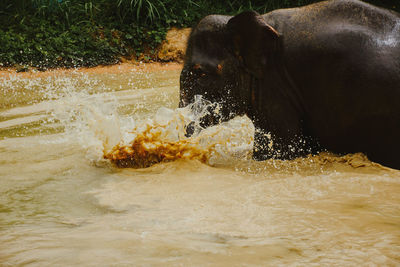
column 322, row 77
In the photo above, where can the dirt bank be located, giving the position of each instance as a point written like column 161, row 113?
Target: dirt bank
column 118, row 68
column 170, row 54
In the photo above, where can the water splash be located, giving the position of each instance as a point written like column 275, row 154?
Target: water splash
column 91, row 119
column 94, row 121
column 163, row 138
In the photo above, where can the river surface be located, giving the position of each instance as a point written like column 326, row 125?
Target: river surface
column 63, row 204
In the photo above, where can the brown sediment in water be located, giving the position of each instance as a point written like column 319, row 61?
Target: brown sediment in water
column 128, row 66
column 148, row 148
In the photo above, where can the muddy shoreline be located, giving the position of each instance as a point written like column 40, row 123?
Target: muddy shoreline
column 129, row 66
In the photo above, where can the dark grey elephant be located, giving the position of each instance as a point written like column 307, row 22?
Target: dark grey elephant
column 320, row 77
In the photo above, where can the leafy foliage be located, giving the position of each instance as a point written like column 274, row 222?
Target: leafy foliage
column 68, row 33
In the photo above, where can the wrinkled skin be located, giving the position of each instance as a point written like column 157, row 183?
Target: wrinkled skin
column 320, row 77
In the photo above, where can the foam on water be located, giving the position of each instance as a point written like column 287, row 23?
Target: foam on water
column 163, row 138
column 93, row 120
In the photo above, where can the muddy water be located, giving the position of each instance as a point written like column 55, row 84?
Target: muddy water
column 63, row 204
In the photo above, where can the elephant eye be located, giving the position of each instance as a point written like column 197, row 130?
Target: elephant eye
column 203, row 70
column 219, row 69
column 198, row 70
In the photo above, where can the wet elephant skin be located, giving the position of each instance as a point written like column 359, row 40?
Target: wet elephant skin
column 320, row 77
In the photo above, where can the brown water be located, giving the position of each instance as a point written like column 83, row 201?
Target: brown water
column 63, row 204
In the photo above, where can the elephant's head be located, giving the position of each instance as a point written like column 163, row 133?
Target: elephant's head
column 225, row 58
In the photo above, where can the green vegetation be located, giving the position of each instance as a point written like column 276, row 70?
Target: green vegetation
column 70, row 33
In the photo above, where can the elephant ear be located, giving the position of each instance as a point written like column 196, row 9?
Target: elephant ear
column 255, row 43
